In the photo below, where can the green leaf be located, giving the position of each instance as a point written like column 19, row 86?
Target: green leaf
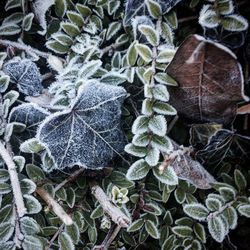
column 213, row 204
column 136, row 225
column 19, row 161
column 168, row 176
column 73, row 232
column 138, row 170
column 32, row 204
column 92, row 233
column 9, row 29
column 166, row 33
column 231, row 217
column 31, row 146
column 85, row 11
column 234, row 23
column 113, row 78
column 113, row 29
column 65, row 242
column 27, row 21
column 169, row 243
column 4, row 175
column 57, row 47
column 165, row 56
column 154, row 8
column 244, row 210
column 240, row 180
column 180, row 195
column 119, row 179
column 27, row 186
column 75, row 18
column 60, row 7
column 227, row 193
column 141, row 140
column 158, row 125
column 31, row 242
column 152, row 208
column 200, row 233
column 225, row 7
column 208, row 17
column 97, row 213
column 132, row 54
column 163, row 143
column 6, row 231
column 140, row 125
column 5, row 188
column 152, row 157
column 7, row 214
column 135, row 150
column 152, row 229
column 196, row 211
column 164, row 108
column 4, row 83
column 182, row 231
column 69, row 28
column 160, row 93
column 164, row 78
column 150, row 33
column 35, row 173
column 171, row 18
column 70, row 197
column 145, row 52
column 217, row 228
column 29, row 226
column 49, row 231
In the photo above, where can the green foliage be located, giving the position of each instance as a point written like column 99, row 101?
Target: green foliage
column 51, row 53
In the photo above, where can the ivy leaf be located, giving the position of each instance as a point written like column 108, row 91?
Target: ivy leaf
column 211, row 74
column 88, row 134
column 25, row 74
column 29, row 114
column 223, row 146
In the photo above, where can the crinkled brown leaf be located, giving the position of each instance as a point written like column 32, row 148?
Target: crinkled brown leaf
column 210, row 81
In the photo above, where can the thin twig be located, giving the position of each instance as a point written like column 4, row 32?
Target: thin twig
column 108, row 207
column 21, row 209
column 71, row 178
column 57, row 209
column 113, row 46
column 112, row 237
column 54, row 237
column 24, row 47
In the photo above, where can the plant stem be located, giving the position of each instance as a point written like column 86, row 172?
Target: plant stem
column 57, row 209
column 21, row 209
column 24, row 47
column 109, row 208
column 71, row 178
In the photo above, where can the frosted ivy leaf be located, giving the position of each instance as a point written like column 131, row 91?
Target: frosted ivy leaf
column 29, row 114
column 89, row 133
column 25, row 74
column 138, row 8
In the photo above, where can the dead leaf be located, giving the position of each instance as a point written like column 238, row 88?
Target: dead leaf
column 201, row 133
column 244, row 110
column 225, row 145
column 210, row 81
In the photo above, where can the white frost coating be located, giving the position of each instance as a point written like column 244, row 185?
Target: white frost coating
column 89, row 133
column 40, row 9
column 206, row 13
column 194, row 56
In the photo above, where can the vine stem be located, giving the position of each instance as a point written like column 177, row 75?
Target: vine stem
column 109, row 208
column 21, row 209
column 57, row 209
column 26, row 48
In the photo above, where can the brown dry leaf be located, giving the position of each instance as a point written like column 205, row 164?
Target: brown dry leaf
column 244, row 110
column 210, row 81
